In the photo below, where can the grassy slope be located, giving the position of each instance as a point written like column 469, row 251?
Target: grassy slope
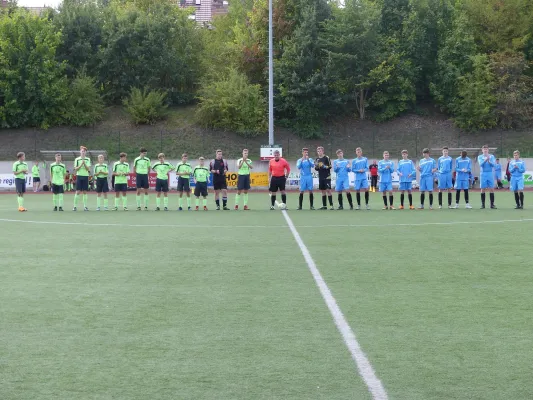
column 180, row 133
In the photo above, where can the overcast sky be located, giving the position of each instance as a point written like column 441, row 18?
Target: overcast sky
column 38, row 3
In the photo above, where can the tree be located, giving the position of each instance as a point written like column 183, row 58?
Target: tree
column 33, row 86
column 85, row 105
column 393, row 15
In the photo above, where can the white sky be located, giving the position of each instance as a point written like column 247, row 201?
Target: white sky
column 39, row 3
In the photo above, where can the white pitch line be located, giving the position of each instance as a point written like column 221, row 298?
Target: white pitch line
column 422, row 224
column 363, row 364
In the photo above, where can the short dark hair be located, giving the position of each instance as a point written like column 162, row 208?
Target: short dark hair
column 445, row 148
column 305, row 149
column 123, row 155
column 185, row 155
column 404, row 152
column 463, row 153
column 425, row 151
column 339, row 151
column 142, row 150
column 58, row 154
column 20, row 154
column 485, row 146
column 218, row 151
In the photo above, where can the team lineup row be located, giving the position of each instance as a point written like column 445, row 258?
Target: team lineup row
column 279, row 170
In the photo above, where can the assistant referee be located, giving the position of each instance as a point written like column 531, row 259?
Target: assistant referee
column 278, row 172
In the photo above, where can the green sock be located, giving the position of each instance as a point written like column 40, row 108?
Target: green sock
column 76, row 196
column 60, row 199
column 188, row 202
column 245, row 199
column 124, row 201
column 146, row 200
column 116, row 202
column 85, row 196
column 98, row 202
column 55, row 199
column 18, row 201
column 22, row 201
column 204, row 202
column 180, row 202
column 165, row 201
column 158, row 201
column 138, row 200
column 106, row 202
column 237, row 198
column 197, row 202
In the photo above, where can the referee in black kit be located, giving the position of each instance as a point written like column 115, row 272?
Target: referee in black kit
column 218, row 168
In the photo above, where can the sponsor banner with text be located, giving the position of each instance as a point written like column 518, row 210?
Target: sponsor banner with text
column 7, row 181
column 132, row 180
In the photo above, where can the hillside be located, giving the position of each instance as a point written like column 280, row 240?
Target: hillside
column 179, row 133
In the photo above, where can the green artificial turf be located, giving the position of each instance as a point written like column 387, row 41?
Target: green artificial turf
column 221, row 304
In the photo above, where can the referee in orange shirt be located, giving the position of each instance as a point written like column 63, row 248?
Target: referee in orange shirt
column 278, row 171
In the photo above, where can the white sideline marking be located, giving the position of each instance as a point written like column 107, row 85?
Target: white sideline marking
column 363, row 364
column 501, row 221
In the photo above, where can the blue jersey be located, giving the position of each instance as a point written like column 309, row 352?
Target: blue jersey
column 427, row 165
column 445, row 165
column 341, row 168
column 463, row 168
column 498, row 171
column 385, row 173
column 359, row 164
column 486, row 165
column 407, row 170
column 517, row 172
column 305, row 166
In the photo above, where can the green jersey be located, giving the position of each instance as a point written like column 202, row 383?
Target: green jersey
column 101, row 171
column 58, row 172
column 162, row 169
column 35, row 171
column 83, row 171
column 244, row 169
column 19, row 166
column 201, row 173
column 121, row 168
column 184, row 168
column 141, row 165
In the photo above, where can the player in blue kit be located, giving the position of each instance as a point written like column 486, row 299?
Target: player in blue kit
column 486, row 163
column 463, row 169
column 360, row 168
column 445, row 167
column 306, row 165
column 407, row 172
column 385, row 169
column 427, row 167
column 517, row 168
column 341, row 167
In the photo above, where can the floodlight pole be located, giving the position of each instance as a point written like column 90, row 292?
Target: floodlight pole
column 270, row 78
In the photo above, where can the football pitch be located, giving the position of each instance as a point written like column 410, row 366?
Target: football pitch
column 223, row 304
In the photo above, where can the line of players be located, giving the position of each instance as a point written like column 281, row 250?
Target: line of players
column 407, row 171
column 279, row 170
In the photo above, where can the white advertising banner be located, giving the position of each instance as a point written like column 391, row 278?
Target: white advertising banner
column 7, row 181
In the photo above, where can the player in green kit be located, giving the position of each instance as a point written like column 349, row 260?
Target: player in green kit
column 20, row 170
column 121, row 170
column 141, row 167
column 101, row 172
column 82, row 167
column 201, row 178
column 58, row 172
column 162, row 168
column 183, row 172
column 36, row 176
column 244, row 166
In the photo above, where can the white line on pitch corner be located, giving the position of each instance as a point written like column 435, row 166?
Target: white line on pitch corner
column 366, row 371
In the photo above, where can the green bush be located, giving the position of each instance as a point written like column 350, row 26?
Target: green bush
column 146, row 106
column 85, row 105
column 233, row 104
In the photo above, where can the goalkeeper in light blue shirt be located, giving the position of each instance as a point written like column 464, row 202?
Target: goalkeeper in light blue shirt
column 463, row 172
column 445, row 166
column 306, row 165
column 385, row 169
column 517, row 168
column 360, row 168
column 427, row 167
column 341, row 167
column 486, row 163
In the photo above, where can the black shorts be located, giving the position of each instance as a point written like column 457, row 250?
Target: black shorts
column 200, row 189
column 101, row 185
column 184, row 184
column 121, row 187
column 161, row 185
column 324, row 184
column 82, row 183
column 243, row 182
column 20, row 185
column 36, row 179
column 277, row 183
column 58, row 189
column 374, row 180
column 219, row 182
column 141, row 181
